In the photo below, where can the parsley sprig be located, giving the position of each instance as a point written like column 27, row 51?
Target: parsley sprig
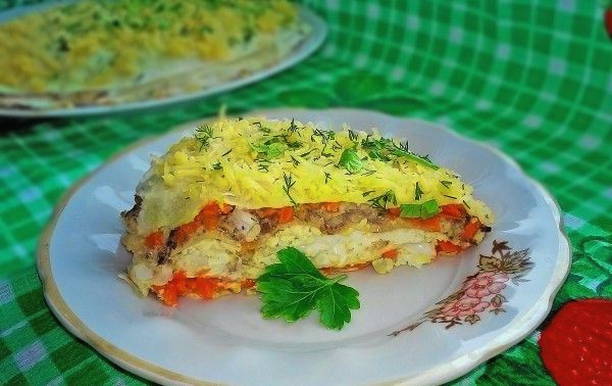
column 291, row 289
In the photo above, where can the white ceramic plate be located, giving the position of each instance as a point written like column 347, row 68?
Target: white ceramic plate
column 407, row 329
column 316, row 36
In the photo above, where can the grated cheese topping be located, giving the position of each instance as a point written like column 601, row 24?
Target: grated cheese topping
column 91, row 44
column 254, row 163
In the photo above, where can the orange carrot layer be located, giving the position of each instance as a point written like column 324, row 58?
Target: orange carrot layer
column 444, row 246
column 390, row 254
column 470, row 229
column 154, row 240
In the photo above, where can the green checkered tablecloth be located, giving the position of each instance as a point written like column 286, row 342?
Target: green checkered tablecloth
column 530, row 77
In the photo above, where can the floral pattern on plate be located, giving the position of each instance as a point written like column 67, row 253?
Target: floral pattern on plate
column 482, row 291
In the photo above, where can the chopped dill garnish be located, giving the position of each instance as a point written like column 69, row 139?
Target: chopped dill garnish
column 293, row 127
column 261, row 127
column 203, row 134
column 383, row 149
column 306, row 153
column 403, row 146
column 382, row 201
column 336, row 146
column 376, row 149
column 365, row 194
column 327, row 177
column 446, row 184
column 466, row 204
column 217, row 166
column 226, row 153
column 293, row 145
column 295, row 161
column 353, row 136
column 368, row 172
column 287, row 187
column 263, row 165
column 325, row 135
column 446, row 195
column 417, row 192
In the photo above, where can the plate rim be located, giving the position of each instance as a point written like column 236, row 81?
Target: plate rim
column 438, row 374
column 312, row 42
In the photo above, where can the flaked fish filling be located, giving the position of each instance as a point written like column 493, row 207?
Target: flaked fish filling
column 235, row 245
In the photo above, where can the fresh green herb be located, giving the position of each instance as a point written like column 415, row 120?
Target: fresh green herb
column 262, row 128
column 293, row 145
column 203, row 134
column 350, row 161
column 365, row 194
column 248, row 34
column 417, row 192
column 466, row 204
column 271, row 148
column 325, row 135
column 287, row 187
column 353, row 136
column 291, row 289
column 327, row 177
column 410, row 210
column 382, row 201
column 419, row 159
column 376, row 148
column 293, row 127
column 295, row 161
column 403, row 146
column 368, row 172
column 336, row 146
column 306, row 153
column 452, row 197
column 429, row 209
column 226, row 153
column 446, row 184
column 383, row 149
column 425, row 210
column 217, row 166
column 263, row 165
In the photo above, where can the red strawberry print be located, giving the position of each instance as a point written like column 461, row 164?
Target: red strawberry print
column 576, row 346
